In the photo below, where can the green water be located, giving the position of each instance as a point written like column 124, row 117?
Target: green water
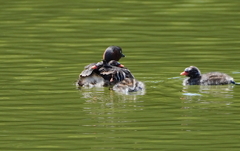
column 44, row 45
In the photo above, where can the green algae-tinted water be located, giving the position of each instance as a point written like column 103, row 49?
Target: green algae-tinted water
column 44, row 45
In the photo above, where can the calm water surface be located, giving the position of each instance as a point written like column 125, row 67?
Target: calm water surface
column 44, row 45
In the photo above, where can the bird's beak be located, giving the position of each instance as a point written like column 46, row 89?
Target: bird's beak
column 121, row 66
column 184, row 73
column 94, row 67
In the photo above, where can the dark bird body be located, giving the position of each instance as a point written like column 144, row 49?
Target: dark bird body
column 106, row 74
column 109, row 72
column 194, row 77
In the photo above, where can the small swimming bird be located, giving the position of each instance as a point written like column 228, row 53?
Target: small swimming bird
column 114, row 72
column 111, row 53
column 129, row 85
column 194, row 77
column 107, row 72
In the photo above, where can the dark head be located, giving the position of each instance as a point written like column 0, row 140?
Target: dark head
column 192, row 72
column 113, row 53
column 115, row 63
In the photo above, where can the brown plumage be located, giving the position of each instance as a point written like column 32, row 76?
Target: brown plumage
column 111, row 53
column 104, row 74
column 114, row 72
column 107, row 72
column 129, row 85
column 110, row 72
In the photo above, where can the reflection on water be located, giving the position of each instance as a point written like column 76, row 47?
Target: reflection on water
column 222, row 91
column 103, row 99
column 205, row 107
column 108, row 112
column 225, row 91
column 207, row 98
column 104, row 94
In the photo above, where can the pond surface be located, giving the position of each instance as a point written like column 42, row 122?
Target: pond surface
column 44, row 46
